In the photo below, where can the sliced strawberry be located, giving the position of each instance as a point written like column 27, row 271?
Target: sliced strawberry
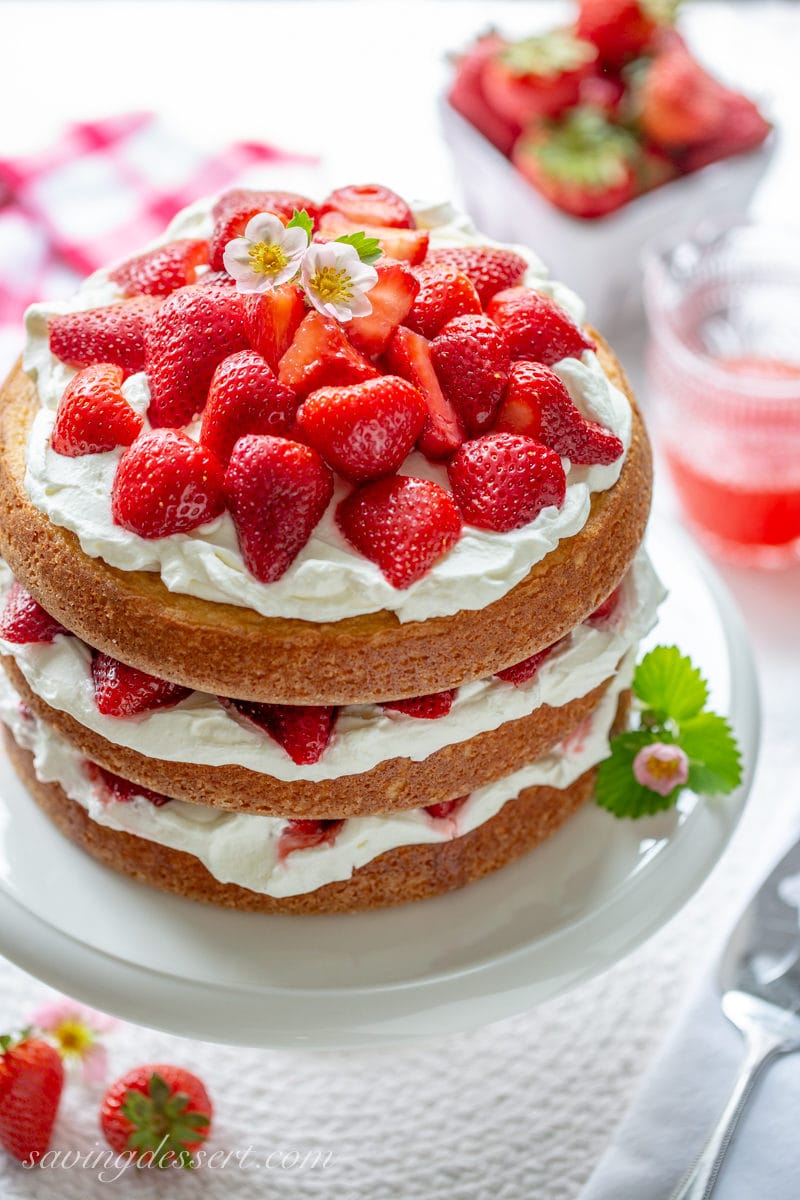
column 271, row 320
column 123, row 691
column 304, row 730
column 445, row 808
column 159, row 272
column 503, row 481
column 191, row 334
column 467, row 95
column 114, row 334
column 536, row 327
column 490, row 268
column 321, row 356
column 234, row 209
column 538, row 76
column 622, row 29
column 472, row 361
column 277, row 491
column 166, row 483
column 605, row 611
column 538, row 405
column 426, row 708
column 444, row 293
column 370, row 204
column 364, row 431
column 304, row 835
column 408, row 355
column 93, row 415
column 391, row 299
column 245, row 397
column 410, row 245
column 404, row 525
column 23, row 621
column 521, row 672
column 123, row 791
column 584, row 164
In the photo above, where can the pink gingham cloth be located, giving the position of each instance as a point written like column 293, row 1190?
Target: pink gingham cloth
column 102, row 191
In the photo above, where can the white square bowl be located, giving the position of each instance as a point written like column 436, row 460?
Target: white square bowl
column 599, row 259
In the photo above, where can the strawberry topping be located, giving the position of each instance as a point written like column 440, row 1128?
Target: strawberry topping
column 271, row 320
column 521, row 672
column 391, row 299
column 472, row 361
column 166, row 483
column 159, row 272
column 93, row 415
column 321, row 356
column 123, row 691
column 503, row 481
column 24, row 621
column 370, row 204
column 427, row 708
column 304, row 730
column 235, row 208
column 536, row 327
column 245, row 397
column 115, row 334
column 410, row 245
column 490, row 268
column 444, row 293
column 408, row 355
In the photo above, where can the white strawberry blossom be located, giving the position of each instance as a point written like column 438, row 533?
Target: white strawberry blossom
column 336, row 281
column 266, row 256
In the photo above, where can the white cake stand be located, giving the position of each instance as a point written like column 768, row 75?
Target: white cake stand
column 568, row 910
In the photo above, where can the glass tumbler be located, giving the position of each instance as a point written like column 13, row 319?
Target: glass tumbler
column 723, row 369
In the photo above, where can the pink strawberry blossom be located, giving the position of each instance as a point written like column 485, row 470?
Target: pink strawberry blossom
column 661, row 767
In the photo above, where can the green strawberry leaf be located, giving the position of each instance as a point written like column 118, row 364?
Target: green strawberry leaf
column 301, row 220
column 667, row 682
column 715, row 762
column 367, row 248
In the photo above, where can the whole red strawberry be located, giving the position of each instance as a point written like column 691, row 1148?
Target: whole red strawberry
column 409, row 356
column 190, row 335
column 123, row 791
column 271, row 320
column 426, row 708
column 370, row 204
column 538, row 76
column 536, row 327
column 277, row 491
column 123, row 691
column 743, row 128
column 472, row 360
column 409, row 245
column 503, row 481
column 490, row 268
column 468, row 97
column 114, row 334
column 234, row 209
column 159, row 1111
column 391, row 299
column 31, row 1083
column 444, row 293
column 166, row 483
column 245, row 397
column 538, row 405
column 304, row 835
column 93, row 415
column 681, row 104
column 364, row 431
column 321, row 356
column 304, row 730
column 159, row 272
column 622, row 29
column 403, row 524
column 23, row 621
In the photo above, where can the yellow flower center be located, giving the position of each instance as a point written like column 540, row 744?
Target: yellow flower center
column 267, row 259
column 73, row 1037
column 661, row 769
column 332, row 284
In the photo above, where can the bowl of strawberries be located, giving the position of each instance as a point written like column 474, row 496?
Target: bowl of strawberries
column 592, row 139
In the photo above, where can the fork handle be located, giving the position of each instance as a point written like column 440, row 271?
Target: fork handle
column 699, row 1184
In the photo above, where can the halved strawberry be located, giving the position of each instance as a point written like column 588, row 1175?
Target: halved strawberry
column 166, row 483
column 304, row 835
column 245, row 397
column 538, row 76
column 536, row 327
column 190, row 335
column 114, row 334
column 521, row 672
column 502, row 481
column 277, row 490
column 490, row 268
column 444, row 293
column 271, row 320
column 408, row 355
column 364, row 431
column 445, row 808
column 93, row 415
column 403, row 524
column 370, row 204
column 321, row 356
column 123, row 691
column 391, row 299
column 472, row 361
column 467, row 95
column 159, row 272
column 425, row 708
column 24, row 621
column 410, row 245
column 304, row 730
column 234, row 209
column 538, row 405
column 124, row 791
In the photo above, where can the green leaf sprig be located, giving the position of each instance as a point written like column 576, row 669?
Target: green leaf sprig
column 368, row 249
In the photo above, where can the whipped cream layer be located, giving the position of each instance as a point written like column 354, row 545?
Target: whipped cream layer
column 200, row 730
column 243, row 849
column 329, row 580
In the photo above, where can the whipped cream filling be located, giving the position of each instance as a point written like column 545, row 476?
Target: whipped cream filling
column 200, row 730
column 329, row 580
column 242, row 848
